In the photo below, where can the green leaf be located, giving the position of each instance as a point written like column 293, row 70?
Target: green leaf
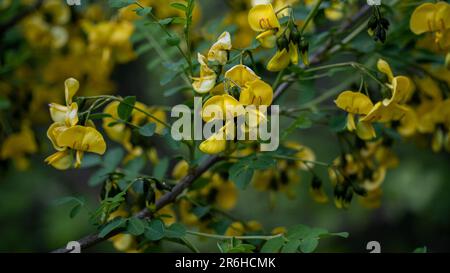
column 75, row 210
column 176, row 230
column 136, row 226
column 155, row 230
column 135, row 165
column 114, row 224
column 148, row 129
column 120, row 3
column 298, row 232
column 113, row 158
column 273, row 245
column 144, row 11
column 173, row 40
column 98, row 177
column 175, row 90
column 291, row 246
column 303, row 121
column 201, row 211
column 179, row 6
column 143, row 49
column 99, row 116
column 309, row 244
column 165, row 21
column 241, row 175
column 340, row 234
column 160, row 170
column 66, row 200
column 338, row 123
column 91, row 160
column 125, row 107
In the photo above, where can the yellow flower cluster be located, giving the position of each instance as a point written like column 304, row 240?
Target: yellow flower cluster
column 390, row 109
column 68, row 137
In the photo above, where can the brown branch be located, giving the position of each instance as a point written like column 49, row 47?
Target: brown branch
column 187, row 181
column 166, row 199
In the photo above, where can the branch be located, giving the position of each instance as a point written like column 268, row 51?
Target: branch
column 319, row 55
column 166, row 199
column 185, row 182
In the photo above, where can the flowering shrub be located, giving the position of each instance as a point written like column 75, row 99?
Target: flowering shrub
column 391, row 70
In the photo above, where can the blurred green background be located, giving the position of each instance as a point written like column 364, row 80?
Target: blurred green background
column 414, row 212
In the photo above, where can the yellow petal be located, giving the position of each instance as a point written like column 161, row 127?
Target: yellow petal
column 429, row 87
column 263, row 17
column 204, row 84
column 385, row 68
column 422, row 19
column 279, row 61
column 227, row 195
column 442, row 16
column 408, row 123
column 365, row 130
column 218, row 89
column 207, row 79
column 219, row 50
column 240, row 75
column 58, row 112
column 19, row 144
column 82, row 138
column 214, row 145
column 351, row 125
column 180, row 170
column 375, row 181
column 54, row 131
column 293, row 52
column 61, row 160
column 402, row 90
column 256, row 93
column 384, row 113
column 354, row 102
column 71, row 88
column 226, row 106
column 268, row 39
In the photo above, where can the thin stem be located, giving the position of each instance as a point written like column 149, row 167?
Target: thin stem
column 311, row 15
column 225, row 237
column 143, row 112
column 301, row 160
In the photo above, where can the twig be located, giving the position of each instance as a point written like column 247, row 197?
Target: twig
column 166, row 199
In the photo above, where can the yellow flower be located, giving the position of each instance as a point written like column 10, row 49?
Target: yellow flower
column 279, row 61
column 78, row 139
column 402, row 87
column 240, row 75
column 219, row 50
column 207, row 79
column 16, row 146
column 226, row 106
column 67, row 137
column 67, row 114
column 262, row 18
column 356, row 103
column 180, row 170
column 335, row 11
column 256, row 93
column 434, row 18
